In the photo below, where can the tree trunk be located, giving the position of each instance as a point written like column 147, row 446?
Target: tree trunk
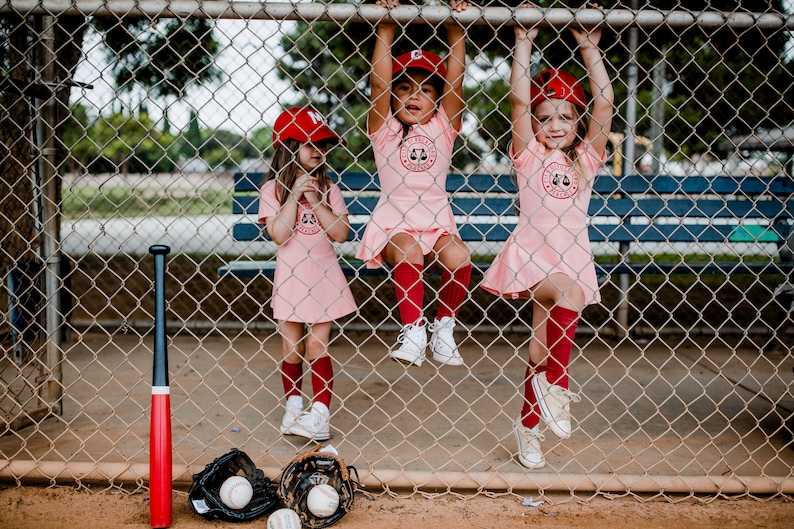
column 19, row 235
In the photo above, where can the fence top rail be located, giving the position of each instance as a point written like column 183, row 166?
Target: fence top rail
column 634, row 184
column 476, row 15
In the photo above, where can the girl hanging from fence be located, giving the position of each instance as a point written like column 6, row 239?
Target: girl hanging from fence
column 303, row 212
column 556, row 149
column 416, row 113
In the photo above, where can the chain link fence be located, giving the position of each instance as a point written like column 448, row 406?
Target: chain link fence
column 124, row 124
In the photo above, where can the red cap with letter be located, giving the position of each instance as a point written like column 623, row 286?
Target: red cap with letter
column 304, row 125
column 422, row 60
column 557, row 84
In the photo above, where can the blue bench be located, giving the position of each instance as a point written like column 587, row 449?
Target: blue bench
column 625, row 212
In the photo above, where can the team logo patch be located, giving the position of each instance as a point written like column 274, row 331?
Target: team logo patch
column 560, row 180
column 307, row 222
column 418, row 153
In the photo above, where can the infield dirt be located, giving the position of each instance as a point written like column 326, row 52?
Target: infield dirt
column 66, row 507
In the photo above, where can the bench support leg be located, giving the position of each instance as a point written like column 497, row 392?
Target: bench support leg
column 623, row 303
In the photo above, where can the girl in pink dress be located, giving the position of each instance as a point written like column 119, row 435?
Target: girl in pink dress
column 556, row 151
column 416, row 113
column 303, row 212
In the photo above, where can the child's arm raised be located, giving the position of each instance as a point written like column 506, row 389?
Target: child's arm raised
column 600, row 87
column 520, row 86
column 452, row 99
column 381, row 77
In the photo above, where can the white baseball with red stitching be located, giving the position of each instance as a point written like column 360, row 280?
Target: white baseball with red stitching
column 236, row 492
column 323, row 501
column 284, row 519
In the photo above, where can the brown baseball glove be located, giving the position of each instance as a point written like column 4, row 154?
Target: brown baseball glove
column 314, row 468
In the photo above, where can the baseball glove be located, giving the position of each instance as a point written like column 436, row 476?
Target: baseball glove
column 314, row 468
column 204, row 496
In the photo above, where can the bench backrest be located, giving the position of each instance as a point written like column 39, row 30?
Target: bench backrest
column 623, row 209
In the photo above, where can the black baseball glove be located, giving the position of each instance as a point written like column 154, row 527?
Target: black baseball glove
column 314, row 468
column 204, row 497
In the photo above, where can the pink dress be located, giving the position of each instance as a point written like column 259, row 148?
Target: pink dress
column 413, row 178
column 308, row 285
column 551, row 233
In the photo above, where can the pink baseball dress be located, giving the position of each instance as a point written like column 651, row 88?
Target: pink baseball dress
column 551, row 232
column 308, row 285
column 413, row 178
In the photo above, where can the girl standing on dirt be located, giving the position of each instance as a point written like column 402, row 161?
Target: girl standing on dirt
column 556, row 151
column 304, row 212
column 416, row 114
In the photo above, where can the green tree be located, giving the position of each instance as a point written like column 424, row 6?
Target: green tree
column 131, row 144
column 166, row 59
column 262, row 140
column 723, row 82
column 223, row 149
column 82, row 150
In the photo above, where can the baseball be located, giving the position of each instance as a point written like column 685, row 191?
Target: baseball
column 236, row 492
column 323, row 500
column 284, row 519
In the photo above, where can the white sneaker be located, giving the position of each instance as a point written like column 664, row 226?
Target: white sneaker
column 313, row 424
column 442, row 342
column 294, row 410
column 529, row 453
column 555, row 405
column 412, row 340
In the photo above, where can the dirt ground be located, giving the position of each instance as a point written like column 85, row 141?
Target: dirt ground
column 67, row 507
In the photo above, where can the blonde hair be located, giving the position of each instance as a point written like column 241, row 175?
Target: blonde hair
column 571, row 153
column 285, row 169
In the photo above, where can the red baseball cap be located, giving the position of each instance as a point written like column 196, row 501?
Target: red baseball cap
column 557, row 84
column 422, row 60
column 304, row 125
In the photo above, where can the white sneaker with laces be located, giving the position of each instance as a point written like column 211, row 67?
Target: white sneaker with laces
column 294, row 410
column 442, row 342
column 312, row 424
column 412, row 340
column 529, row 453
column 555, row 405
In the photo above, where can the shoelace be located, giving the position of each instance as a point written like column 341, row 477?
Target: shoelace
column 449, row 328
column 531, row 435
column 536, row 435
column 410, row 327
column 561, row 394
column 565, row 394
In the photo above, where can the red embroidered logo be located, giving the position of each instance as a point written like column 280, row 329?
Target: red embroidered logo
column 418, row 153
column 560, row 180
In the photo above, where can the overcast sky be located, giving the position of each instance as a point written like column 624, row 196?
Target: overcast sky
column 248, row 99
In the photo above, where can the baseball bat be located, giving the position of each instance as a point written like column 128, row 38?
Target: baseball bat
column 160, row 478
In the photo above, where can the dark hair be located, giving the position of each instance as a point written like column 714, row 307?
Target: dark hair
column 285, row 169
column 436, row 80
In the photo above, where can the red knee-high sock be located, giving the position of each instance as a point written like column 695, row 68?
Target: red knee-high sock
column 530, row 417
column 291, row 378
column 323, row 380
column 454, row 288
column 560, row 331
column 410, row 291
